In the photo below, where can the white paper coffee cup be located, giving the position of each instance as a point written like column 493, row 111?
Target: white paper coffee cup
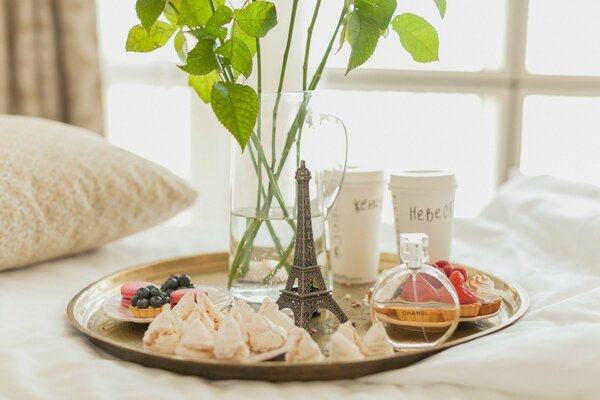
column 423, row 202
column 354, row 227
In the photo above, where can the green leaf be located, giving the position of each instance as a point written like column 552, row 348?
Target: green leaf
column 363, row 35
column 223, row 15
column 258, row 18
column 196, row 12
column 418, row 37
column 343, row 34
column 140, row 41
column 171, row 12
column 441, row 6
column 201, row 59
column 238, row 33
column 238, row 55
column 209, row 32
column 148, row 11
column 180, row 44
column 380, row 11
column 236, row 107
column 202, row 85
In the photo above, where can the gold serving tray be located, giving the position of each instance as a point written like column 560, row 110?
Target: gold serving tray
column 124, row 339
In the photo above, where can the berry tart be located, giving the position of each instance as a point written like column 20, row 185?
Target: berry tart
column 176, row 282
column 129, row 289
column 476, row 294
column 148, row 302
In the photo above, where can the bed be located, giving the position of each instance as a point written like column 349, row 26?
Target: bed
column 541, row 233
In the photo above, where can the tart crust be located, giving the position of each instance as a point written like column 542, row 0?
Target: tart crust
column 470, row 310
column 149, row 312
column 490, row 308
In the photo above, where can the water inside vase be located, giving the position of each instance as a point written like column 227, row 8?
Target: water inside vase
column 263, row 269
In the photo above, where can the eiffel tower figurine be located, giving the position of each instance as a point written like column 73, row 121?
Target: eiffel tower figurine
column 310, row 293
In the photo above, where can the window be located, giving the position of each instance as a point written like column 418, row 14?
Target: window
column 518, row 86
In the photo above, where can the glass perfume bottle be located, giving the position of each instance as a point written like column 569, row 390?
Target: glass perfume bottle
column 416, row 303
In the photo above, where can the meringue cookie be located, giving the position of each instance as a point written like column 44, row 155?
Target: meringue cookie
column 207, row 306
column 185, row 307
column 484, row 289
column 162, row 334
column 229, row 342
column 343, row 349
column 243, row 314
column 376, row 342
column 271, row 311
column 347, row 329
column 302, row 348
column 263, row 335
column 204, row 318
column 197, row 342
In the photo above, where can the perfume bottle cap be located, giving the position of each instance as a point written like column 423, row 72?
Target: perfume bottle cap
column 414, row 249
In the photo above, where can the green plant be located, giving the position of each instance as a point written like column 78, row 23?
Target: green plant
column 225, row 44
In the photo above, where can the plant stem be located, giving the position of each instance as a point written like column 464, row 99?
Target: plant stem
column 259, row 121
column 282, row 262
column 286, row 54
column 318, row 73
column 252, row 230
column 311, row 27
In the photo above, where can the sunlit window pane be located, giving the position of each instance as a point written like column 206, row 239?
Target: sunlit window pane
column 115, row 18
column 153, row 122
column 563, row 37
column 560, row 137
column 399, row 131
column 471, row 35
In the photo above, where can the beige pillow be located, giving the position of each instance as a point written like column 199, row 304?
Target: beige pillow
column 64, row 190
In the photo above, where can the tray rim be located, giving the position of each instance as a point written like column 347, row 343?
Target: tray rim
column 259, row 371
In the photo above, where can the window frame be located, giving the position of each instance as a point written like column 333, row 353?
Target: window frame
column 510, row 85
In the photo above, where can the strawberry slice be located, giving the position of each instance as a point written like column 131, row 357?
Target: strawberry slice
column 448, row 270
column 441, row 264
column 462, row 271
column 424, row 290
column 463, row 290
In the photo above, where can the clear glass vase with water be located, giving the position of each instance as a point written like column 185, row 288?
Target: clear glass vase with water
column 263, row 197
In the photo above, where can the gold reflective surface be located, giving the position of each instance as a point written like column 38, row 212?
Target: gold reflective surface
column 124, row 339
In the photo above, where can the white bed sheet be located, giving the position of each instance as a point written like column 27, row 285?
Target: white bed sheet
column 539, row 232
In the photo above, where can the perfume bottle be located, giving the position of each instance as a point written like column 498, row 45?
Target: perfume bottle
column 416, row 303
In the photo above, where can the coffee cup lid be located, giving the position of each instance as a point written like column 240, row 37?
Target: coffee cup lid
column 363, row 175
column 423, row 180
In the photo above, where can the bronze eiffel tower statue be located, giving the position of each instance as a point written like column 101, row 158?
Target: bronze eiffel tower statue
column 305, row 291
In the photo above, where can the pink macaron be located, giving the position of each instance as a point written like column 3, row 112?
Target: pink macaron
column 128, row 291
column 178, row 294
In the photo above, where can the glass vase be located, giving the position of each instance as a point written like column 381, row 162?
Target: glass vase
column 263, row 191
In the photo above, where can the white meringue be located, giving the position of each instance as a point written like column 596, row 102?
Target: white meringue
column 204, row 318
column 243, row 314
column 347, row 329
column 229, row 342
column 271, row 311
column 185, row 307
column 484, row 289
column 302, row 348
column 162, row 334
column 343, row 349
column 207, row 306
column 197, row 342
column 263, row 335
column 376, row 342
